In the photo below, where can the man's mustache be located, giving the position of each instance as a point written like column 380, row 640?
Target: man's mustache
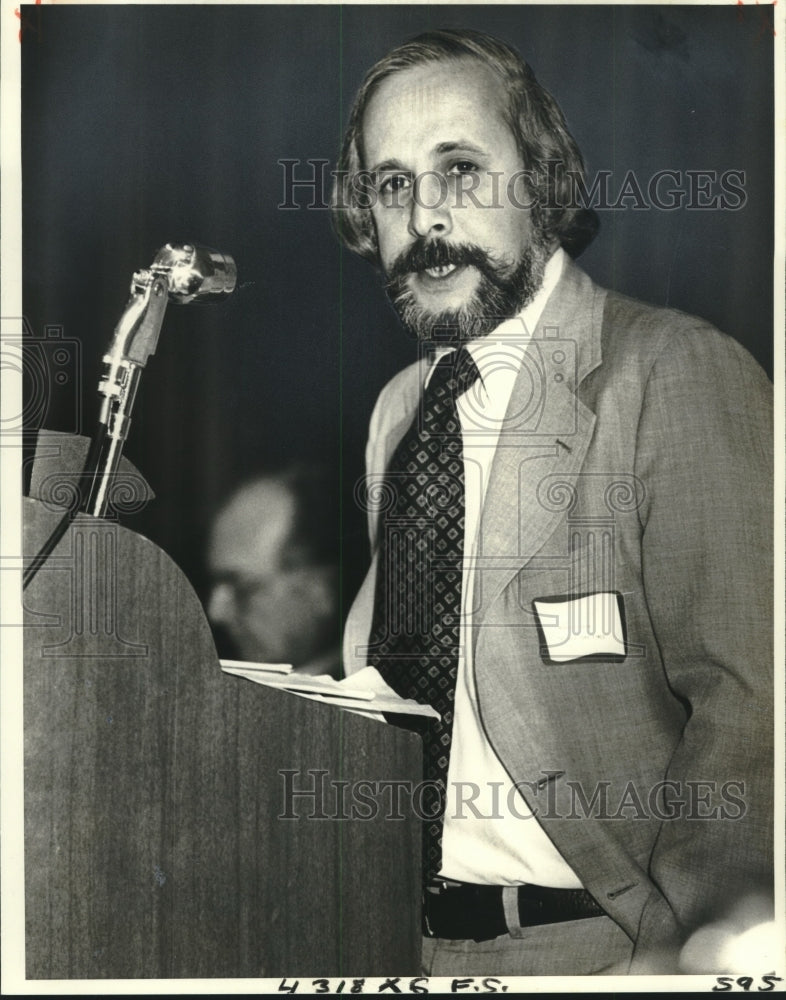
column 424, row 254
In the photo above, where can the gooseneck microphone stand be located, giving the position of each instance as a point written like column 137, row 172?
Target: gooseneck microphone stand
column 181, row 273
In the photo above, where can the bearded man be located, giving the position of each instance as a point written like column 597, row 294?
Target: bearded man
column 569, row 516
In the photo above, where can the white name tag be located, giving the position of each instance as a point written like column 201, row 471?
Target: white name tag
column 579, row 627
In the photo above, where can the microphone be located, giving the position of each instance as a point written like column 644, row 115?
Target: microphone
column 180, row 273
column 194, row 273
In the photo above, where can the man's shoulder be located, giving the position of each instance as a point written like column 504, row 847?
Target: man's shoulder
column 620, row 336
column 397, row 399
column 405, row 383
column 639, row 335
column 626, row 315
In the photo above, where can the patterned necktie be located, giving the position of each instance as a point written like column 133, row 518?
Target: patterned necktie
column 417, row 602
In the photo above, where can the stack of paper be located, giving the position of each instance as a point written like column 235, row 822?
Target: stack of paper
column 365, row 690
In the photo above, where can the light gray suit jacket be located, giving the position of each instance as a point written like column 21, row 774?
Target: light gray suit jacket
column 635, row 460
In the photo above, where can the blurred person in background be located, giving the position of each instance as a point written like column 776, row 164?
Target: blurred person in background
column 273, row 561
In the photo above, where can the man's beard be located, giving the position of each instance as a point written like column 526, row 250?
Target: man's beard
column 501, row 293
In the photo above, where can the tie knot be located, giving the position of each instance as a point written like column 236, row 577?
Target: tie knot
column 455, row 372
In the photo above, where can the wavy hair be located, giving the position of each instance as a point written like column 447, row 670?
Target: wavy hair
column 546, row 146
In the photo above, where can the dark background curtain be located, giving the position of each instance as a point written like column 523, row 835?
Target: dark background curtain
column 147, row 125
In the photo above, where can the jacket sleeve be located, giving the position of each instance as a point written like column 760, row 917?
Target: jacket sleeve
column 704, row 453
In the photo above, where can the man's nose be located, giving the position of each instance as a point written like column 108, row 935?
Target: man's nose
column 220, row 605
column 430, row 212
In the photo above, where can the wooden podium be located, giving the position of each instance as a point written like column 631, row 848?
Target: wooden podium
column 163, row 834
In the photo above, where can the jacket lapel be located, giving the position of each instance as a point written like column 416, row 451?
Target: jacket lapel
column 536, row 441
column 518, row 516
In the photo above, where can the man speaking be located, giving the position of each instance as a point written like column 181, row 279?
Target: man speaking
column 569, row 512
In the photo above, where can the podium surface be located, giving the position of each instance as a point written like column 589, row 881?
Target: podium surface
column 164, row 833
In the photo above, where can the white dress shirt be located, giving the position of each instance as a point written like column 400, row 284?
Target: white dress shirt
column 490, row 835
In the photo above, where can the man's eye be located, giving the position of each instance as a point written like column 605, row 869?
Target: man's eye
column 461, row 167
column 394, row 182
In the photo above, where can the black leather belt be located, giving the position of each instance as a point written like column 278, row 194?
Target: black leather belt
column 459, row 911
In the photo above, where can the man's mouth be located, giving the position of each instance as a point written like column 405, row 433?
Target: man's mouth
column 437, row 265
column 440, row 272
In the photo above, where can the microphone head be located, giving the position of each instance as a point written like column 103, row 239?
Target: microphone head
column 195, row 273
